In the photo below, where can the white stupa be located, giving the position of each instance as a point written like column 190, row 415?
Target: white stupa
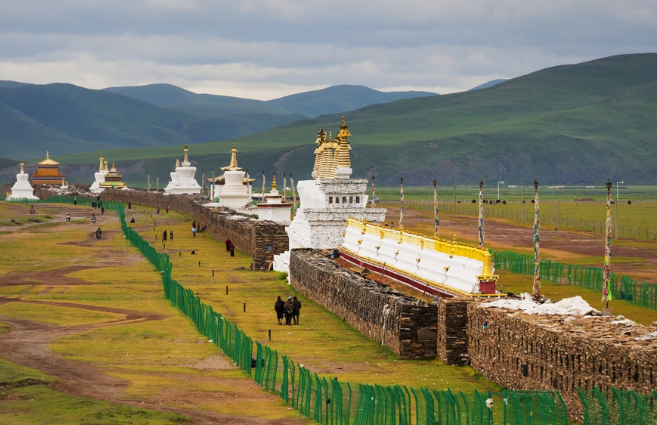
column 274, row 208
column 99, row 176
column 328, row 200
column 22, row 188
column 182, row 179
column 234, row 193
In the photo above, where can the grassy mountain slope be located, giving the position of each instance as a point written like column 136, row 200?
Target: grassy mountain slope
column 337, row 99
column 563, row 125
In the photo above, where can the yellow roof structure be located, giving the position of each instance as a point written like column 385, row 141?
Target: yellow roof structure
column 48, row 161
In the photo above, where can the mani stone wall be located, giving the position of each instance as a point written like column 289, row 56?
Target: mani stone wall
column 452, row 335
column 259, row 239
column 546, row 353
column 406, row 325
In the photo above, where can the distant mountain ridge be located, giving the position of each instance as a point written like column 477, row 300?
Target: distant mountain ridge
column 66, row 119
column 568, row 124
column 310, row 104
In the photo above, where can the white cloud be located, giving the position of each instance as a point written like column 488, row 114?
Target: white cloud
column 269, row 48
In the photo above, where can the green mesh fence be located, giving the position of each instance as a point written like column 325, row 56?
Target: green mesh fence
column 643, row 294
column 620, row 407
column 328, row 401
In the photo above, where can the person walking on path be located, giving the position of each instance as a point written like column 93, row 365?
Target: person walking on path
column 171, row 236
column 295, row 311
column 75, row 201
column 194, row 232
column 164, row 236
column 289, row 310
column 232, row 249
column 228, row 244
column 279, row 307
column 102, row 210
column 167, row 209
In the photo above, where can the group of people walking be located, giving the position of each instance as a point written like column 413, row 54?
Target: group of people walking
column 164, row 236
column 288, row 310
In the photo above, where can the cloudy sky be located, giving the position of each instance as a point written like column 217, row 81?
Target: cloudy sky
column 264, row 49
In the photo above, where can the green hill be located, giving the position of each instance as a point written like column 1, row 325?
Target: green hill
column 564, row 125
column 336, row 99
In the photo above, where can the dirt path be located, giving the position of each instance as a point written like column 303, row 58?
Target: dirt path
column 27, row 343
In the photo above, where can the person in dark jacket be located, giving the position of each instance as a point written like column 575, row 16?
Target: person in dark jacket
column 289, row 310
column 279, row 308
column 171, row 235
column 164, row 236
column 295, row 311
column 228, row 244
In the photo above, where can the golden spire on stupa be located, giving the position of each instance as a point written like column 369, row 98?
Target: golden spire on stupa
column 113, row 166
column 186, row 157
column 22, row 164
column 343, row 148
column 273, row 182
column 106, row 168
column 100, row 167
column 321, row 139
column 233, row 161
column 177, row 163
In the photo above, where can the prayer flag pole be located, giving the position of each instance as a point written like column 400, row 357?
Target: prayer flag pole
column 373, row 193
column 606, row 293
column 401, row 203
column 284, row 189
column 262, row 200
column 537, row 272
column 481, row 215
column 436, row 221
column 294, row 196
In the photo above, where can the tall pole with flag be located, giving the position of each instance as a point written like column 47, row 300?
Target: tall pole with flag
column 284, row 189
column 149, row 181
column 294, row 196
column 481, row 214
column 202, row 181
column 436, row 221
column 401, row 203
column 606, row 293
column 262, row 200
column 373, row 193
column 214, row 185
column 537, row 261
column 157, row 182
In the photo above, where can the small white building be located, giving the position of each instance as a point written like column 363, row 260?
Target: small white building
column 273, row 208
column 182, row 179
column 22, row 188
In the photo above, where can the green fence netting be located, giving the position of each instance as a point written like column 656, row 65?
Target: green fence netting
column 326, row 400
column 643, row 294
column 620, row 407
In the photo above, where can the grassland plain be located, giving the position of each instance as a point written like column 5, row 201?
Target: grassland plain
column 322, row 342
column 91, row 314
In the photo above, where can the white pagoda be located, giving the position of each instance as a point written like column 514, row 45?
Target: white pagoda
column 233, row 193
column 182, row 179
column 273, row 208
column 99, row 176
column 328, row 200
column 22, row 188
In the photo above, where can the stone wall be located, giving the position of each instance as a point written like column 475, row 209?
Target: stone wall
column 452, row 330
column 259, row 239
column 407, row 326
column 546, row 353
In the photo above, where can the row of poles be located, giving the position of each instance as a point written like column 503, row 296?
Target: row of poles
column 536, row 290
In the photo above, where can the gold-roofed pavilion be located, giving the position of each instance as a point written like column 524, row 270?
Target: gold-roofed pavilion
column 47, row 172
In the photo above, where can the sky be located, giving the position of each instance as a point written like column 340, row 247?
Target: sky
column 265, row 49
